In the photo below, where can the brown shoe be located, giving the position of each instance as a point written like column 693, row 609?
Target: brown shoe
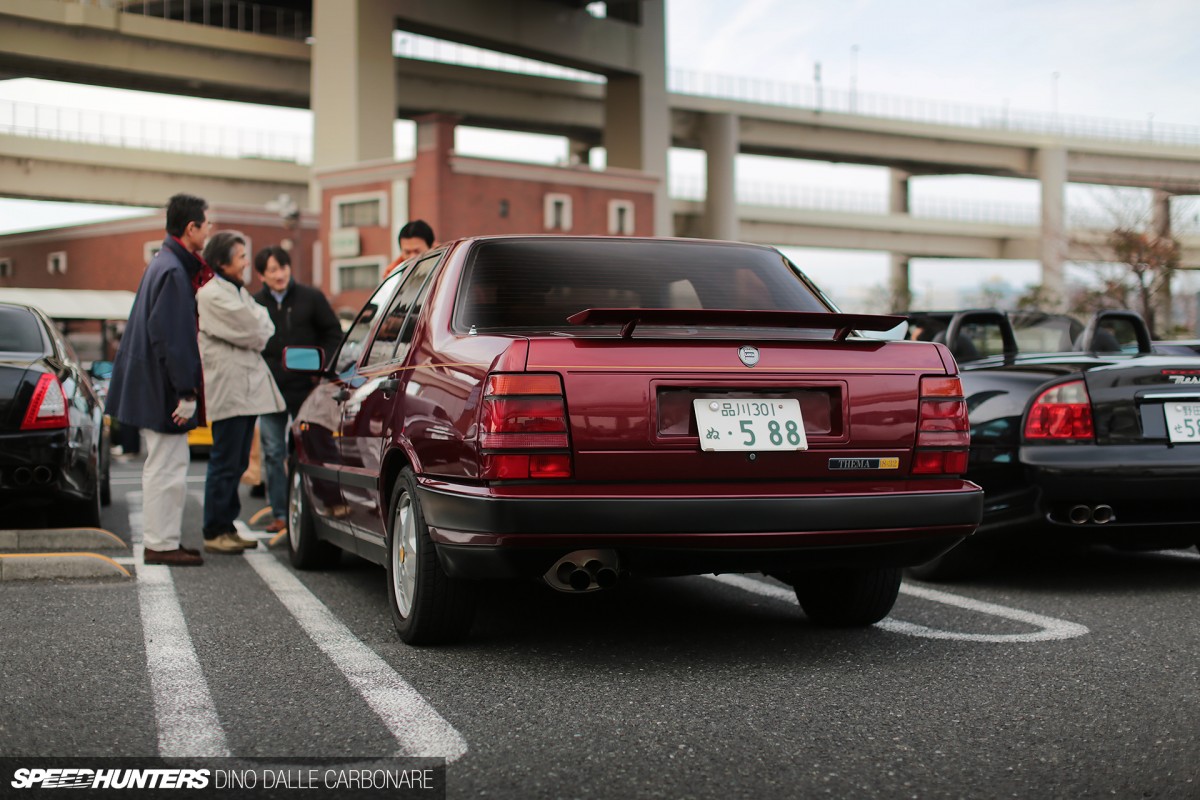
column 225, row 543
column 249, row 544
column 276, row 526
column 172, row 558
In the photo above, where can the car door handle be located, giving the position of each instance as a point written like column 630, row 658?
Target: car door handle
column 389, row 386
column 341, row 395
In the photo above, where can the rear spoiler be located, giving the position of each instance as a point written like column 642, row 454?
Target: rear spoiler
column 629, row 318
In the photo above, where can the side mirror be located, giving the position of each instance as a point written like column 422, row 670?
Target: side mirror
column 303, row 359
column 101, row 370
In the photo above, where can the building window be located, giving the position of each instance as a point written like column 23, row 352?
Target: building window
column 620, row 217
column 357, row 275
column 56, row 263
column 360, row 210
column 558, row 212
column 6, row 268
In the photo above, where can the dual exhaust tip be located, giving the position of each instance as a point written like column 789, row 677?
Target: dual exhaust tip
column 584, row 571
column 1097, row 515
column 39, row 475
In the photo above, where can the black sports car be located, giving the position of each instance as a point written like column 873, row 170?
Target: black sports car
column 1077, row 432
column 53, row 445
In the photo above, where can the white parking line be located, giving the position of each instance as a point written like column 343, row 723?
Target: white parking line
column 1049, row 628
column 415, row 725
column 187, row 719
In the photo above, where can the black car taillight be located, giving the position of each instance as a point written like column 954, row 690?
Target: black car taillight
column 1062, row 412
column 943, row 432
column 523, row 428
column 48, row 408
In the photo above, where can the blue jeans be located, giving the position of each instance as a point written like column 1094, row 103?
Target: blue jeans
column 229, row 458
column 272, row 428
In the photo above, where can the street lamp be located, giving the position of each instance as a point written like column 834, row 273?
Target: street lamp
column 853, row 77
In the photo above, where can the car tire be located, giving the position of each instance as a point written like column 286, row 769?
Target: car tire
column 78, row 513
column 305, row 549
column 955, row 564
column 428, row 606
column 848, row 598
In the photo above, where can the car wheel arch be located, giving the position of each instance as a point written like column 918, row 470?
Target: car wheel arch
column 395, row 459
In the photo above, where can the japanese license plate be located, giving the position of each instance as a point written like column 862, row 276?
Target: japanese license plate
column 746, row 424
column 1183, row 421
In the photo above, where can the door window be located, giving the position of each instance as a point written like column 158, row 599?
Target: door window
column 395, row 332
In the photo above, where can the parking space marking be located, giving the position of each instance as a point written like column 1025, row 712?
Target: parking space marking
column 416, row 726
column 1049, row 628
column 186, row 716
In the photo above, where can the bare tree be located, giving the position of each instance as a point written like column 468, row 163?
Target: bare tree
column 1133, row 260
column 1150, row 258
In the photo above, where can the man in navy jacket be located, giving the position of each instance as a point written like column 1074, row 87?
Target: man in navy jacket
column 302, row 316
column 157, row 383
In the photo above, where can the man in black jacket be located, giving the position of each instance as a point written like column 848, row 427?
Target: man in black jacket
column 302, row 316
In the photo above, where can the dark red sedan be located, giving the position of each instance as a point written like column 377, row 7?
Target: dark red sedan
column 586, row 410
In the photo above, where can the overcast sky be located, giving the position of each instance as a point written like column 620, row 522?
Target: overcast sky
column 1114, row 59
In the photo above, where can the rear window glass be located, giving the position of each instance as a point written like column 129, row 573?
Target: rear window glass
column 20, row 331
column 538, row 283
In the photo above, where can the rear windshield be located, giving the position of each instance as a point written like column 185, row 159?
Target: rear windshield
column 20, row 331
column 538, row 283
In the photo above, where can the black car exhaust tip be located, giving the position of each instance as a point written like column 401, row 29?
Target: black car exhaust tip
column 22, row 476
column 42, row 475
column 1079, row 515
column 1103, row 514
column 584, row 571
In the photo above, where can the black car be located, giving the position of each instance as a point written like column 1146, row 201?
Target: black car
column 53, row 441
column 1078, row 432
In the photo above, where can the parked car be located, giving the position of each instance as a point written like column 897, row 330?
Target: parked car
column 1078, row 432
column 582, row 410
column 53, row 440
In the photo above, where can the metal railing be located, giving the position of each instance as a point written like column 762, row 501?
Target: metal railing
column 1185, row 217
column 232, row 15
column 147, row 133
column 272, row 21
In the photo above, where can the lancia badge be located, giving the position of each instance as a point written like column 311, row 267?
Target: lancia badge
column 748, row 355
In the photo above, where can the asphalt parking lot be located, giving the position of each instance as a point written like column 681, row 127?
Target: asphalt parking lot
column 1057, row 674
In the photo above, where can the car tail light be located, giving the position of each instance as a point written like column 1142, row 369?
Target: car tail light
column 48, row 408
column 943, row 432
column 522, row 422
column 1061, row 412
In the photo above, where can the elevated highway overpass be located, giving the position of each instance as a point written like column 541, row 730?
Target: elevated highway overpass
column 82, row 43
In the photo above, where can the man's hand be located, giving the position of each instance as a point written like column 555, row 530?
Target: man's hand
column 184, row 411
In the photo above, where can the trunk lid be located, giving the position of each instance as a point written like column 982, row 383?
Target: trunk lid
column 630, row 403
column 1130, row 397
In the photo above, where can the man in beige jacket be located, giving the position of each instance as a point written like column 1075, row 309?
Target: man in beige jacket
column 238, row 386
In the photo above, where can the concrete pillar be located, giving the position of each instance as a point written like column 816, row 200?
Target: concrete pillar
column 637, row 129
column 899, row 280
column 720, row 138
column 1052, row 172
column 353, row 83
column 1160, row 225
column 429, row 194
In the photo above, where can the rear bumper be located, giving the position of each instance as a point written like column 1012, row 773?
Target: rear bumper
column 1147, row 486
column 39, row 467
column 482, row 535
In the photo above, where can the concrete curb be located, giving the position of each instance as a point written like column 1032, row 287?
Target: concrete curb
column 32, row 566
column 60, row 554
column 60, row 539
